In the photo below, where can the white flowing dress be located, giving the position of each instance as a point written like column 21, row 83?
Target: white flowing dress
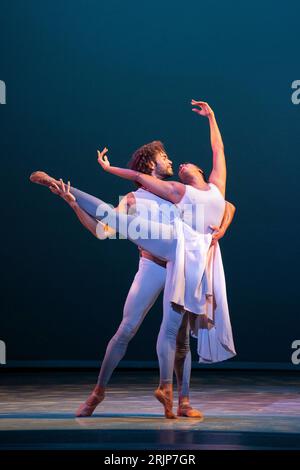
column 197, row 275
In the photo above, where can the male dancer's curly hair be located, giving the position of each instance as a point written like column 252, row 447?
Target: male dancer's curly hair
column 143, row 157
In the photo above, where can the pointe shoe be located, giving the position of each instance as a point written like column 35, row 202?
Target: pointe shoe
column 165, row 398
column 187, row 411
column 40, row 177
column 88, row 407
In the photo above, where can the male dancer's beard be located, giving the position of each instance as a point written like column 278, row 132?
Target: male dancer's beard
column 166, row 174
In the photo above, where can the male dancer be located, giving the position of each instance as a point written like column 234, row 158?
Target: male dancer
column 148, row 282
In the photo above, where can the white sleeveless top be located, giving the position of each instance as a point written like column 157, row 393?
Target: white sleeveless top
column 202, row 208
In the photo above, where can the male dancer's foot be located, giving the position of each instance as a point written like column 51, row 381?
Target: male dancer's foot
column 88, row 407
column 186, row 410
column 40, row 177
column 164, row 394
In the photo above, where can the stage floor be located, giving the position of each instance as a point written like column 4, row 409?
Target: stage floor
column 243, row 410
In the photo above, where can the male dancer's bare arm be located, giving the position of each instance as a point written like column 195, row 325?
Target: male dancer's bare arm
column 87, row 221
column 172, row 191
column 218, row 174
column 63, row 190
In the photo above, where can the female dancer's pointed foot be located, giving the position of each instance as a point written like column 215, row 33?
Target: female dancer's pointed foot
column 164, row 395
column 88, row 407
column 40, row 177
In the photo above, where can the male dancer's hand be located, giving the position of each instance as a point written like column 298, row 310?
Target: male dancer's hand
column 63, row 191
column 203, row 108
column 103, row 160
column 218, row 233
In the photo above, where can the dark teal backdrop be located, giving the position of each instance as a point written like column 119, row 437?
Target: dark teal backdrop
column 84, row 74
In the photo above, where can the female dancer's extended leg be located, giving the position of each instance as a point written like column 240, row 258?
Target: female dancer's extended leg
column 139, row 230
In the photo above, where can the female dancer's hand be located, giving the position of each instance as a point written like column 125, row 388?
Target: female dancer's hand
column 103, row 160
column 203, row 108
column 63, row 191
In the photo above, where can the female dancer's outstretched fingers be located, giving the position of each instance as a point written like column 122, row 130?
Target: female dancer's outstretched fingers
column 102, row 159
column 204, row 108
column 102, row 153
column 199, row 103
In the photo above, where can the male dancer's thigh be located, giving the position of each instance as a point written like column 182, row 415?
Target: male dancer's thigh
column 148, row 283
column 146, row 287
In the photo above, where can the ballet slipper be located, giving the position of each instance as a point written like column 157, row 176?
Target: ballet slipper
column 40, row 177
column 88, row 407
column 165, row 397
column 187, row 411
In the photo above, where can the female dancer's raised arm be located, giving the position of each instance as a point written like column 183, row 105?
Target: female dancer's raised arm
column 218, row 174
column 172, row 191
